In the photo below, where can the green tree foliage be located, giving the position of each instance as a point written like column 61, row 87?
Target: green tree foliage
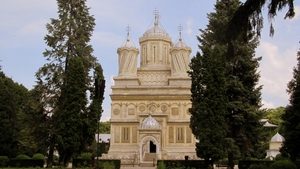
column 104, row 127
column 291, row 120
column 209, row 103
column 242, row 90
column 68, row 38
column 69, row 133
column 92, row 117
column 274, row 115
column 8, row 116
column 12, row 99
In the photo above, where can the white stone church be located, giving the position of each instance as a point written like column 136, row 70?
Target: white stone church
column 149, row 109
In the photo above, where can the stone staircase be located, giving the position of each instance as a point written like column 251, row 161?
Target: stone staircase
column 149, row 159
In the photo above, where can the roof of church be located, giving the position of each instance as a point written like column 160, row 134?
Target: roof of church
column 180, row 43
column 156, row 30
column 150, row 123
column 128, row 43
column 267, row 124
column 277, row 138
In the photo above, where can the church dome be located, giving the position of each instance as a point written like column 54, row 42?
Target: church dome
column 150, row 123
column 277, row 138
column 154, row 31
column 180, row 44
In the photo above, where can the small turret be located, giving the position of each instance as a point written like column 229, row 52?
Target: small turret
column 180, row 57
column 128, row 56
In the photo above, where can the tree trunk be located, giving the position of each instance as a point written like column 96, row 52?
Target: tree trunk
column 51, row 151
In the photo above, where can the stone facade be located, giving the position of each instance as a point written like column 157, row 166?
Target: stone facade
column 149, row 109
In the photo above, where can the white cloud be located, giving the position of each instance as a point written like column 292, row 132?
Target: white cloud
column 276, row 70
column 268, row 105
column 189, row 24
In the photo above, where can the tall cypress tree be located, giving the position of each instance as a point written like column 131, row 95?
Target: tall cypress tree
column 242, row 93
column 291, row 117
column 69, row 133
column 209, row 103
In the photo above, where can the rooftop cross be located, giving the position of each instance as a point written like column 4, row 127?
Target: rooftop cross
column 128, row 30
column 156, row 15
column 180, row 29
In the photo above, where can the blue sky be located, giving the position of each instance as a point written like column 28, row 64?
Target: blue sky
column 22, row 30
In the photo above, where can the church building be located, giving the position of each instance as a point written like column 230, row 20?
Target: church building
column 149, row 110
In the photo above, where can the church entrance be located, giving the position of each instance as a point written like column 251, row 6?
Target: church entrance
column 149, row 149
column 152, row 147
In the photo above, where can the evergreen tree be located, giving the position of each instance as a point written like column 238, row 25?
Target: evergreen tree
column 12, row 99
column 209, row 103
column 69, row 133
column 92, row 117
column 291, row 120
column 68, row 38
column 242, row 94
column 8, row 118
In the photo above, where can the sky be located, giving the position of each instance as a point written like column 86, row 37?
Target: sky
column 22, row 31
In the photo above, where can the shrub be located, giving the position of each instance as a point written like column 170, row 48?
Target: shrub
column 161, row 165
column 19, row 163
column 86, row 156
column 257, row 166
column 38, row 156
column 79, row 162
column 4, row 160
column 280, row 157
column 22, row 156
column 108, row 165
column 283, row 164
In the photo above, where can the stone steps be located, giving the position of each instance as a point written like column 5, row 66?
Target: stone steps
column 150, row 157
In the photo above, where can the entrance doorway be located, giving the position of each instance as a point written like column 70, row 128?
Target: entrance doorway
column 152, row 147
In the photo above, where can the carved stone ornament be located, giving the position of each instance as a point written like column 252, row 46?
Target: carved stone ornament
column 131, row 111
column 175, row 111
column 116, row 111
column 164, row 108
column 152, row 108
column 142, row 108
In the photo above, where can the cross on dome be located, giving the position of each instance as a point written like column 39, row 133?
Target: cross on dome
column 156, row 16
column 128, row 30
column 180, row 29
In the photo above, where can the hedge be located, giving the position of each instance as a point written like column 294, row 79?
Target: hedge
column 78, row 163
column 26, row 163
column 245, row 164
column 197, row 164
column 4, row 161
